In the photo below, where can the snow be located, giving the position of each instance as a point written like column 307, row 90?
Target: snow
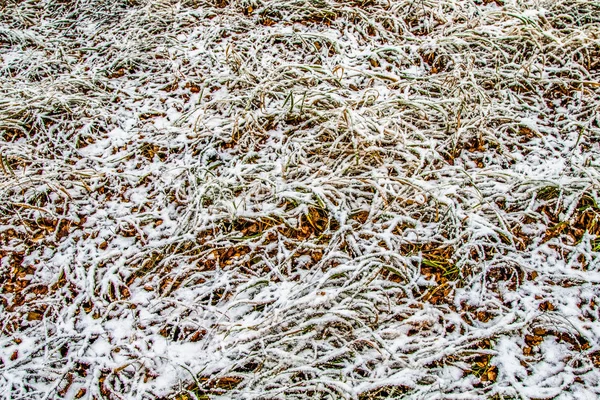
column 283, row 200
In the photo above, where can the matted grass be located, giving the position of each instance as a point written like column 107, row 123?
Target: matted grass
column 301, row 199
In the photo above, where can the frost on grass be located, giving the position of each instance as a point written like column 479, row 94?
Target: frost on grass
column 307, row 199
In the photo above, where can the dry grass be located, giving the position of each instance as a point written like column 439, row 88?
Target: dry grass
column 308, row 199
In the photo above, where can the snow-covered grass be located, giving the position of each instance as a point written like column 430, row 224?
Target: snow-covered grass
column 303, row 199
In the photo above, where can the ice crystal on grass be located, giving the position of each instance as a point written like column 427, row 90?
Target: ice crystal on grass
column 307, row 199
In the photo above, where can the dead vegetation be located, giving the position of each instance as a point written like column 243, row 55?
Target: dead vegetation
column 307, row 199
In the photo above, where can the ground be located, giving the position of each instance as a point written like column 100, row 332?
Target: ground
column 302, row 199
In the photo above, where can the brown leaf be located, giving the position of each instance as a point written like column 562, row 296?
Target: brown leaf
column 546, row 306
column 492, row 374
column 539, row 331
column 533, row 340
column 35, row 316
